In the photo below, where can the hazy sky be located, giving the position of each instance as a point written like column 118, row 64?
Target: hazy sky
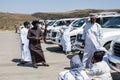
column 31, row 6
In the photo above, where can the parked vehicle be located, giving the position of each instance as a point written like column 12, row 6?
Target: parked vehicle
column 79, row 24
column 114, row 56
column 57, row 23
column 49, row 24
column 111, row 30
column 76, row 26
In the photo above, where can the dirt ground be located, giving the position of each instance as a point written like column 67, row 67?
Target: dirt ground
column 10, row 57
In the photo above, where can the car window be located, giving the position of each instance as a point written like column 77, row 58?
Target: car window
column 51, row 23
column 79, row 23
column 113, row 23
column 60, row 23
column 99, row 21
column 105, row 19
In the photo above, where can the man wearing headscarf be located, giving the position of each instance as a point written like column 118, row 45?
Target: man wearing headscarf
column 92, row 38
column 76, row 72
column 25, row 53
column 34, row 35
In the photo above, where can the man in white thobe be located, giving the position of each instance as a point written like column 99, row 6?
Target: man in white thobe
column 25, row 55
column 21, row 46
column 65, row 40
column 92, row 38
column 76, row 72
column 100, row 69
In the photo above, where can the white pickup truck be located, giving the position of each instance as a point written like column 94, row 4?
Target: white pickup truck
column 111, row 31
column 114, row 56
column 77, row 24
column 78, row 27
column 57, row 23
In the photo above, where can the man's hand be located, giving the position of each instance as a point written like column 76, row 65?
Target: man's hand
column 38, row 38
column 61, row 31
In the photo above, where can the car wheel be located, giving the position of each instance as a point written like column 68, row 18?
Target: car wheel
column 107, row 46
column 60, row 46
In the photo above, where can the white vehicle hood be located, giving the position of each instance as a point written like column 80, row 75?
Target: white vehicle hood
column 110, row 32
column 50, row 27
column 110, row 29
column 118, row 40
column 75, row 31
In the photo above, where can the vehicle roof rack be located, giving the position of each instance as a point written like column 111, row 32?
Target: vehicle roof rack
column 104, row 13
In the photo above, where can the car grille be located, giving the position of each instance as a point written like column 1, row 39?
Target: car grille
column 48, row 31
column 54, row 34
column 79, row 37
column 116, row 49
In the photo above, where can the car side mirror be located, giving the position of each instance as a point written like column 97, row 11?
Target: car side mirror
column 54, row 25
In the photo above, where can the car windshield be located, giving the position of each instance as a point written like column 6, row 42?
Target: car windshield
column 112, row 23
column 79, row 23
column 51, row 23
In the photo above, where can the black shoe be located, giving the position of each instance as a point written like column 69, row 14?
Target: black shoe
column 68, row 52
column 23, row 62
column 35, row 66
column 45, row 64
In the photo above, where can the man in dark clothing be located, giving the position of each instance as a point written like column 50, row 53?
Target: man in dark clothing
column 34, row 36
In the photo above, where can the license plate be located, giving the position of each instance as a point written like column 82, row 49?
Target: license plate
column 118, row 65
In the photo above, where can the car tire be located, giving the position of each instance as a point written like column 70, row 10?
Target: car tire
column 60, row 46
column 107, row 46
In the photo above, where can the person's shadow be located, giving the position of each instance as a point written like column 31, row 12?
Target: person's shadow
column 116, row 75
column 17, row 61
column 55, row 49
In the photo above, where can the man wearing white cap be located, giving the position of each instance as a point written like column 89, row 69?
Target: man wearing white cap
column 92, row 37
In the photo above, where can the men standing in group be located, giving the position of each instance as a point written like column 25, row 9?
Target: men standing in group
column 35, row 35
column 65, row 40
column 92, row 38
column 25, row 56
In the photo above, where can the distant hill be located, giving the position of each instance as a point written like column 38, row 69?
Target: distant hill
column 71, row 14
column 8, row 20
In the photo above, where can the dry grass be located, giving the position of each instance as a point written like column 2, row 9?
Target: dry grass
column 8, row 20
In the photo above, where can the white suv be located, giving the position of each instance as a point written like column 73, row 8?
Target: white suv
column 76, row 27
column 110, row 29
column 57, row 23
column 79, row 24
column 114, row 56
